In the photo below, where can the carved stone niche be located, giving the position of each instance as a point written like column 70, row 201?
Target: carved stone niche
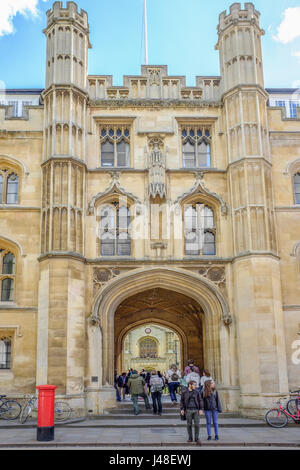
column 157, row 167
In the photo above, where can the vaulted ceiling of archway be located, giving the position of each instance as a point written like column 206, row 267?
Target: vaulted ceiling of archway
column 158, row 304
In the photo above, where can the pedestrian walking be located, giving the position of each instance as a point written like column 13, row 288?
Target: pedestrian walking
column 191, row 406
column 118, row 397
column 191, row 368
column 122, row 385
column 136, row 385
column 156, row 387
column 206, row 376
column 148, row 387
column 173, row 376
column 212, row 408
column 183, row 384
column 193, row 376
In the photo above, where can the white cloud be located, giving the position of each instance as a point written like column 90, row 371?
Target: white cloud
column 10, row 8
column 289, row 29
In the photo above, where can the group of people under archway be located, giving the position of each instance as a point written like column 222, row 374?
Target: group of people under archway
column 197, row 394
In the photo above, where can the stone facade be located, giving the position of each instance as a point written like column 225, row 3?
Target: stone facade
column 197, row 187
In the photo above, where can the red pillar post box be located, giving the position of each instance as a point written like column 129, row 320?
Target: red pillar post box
column 45, row 423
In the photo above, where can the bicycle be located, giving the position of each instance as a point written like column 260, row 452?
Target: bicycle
column 32, row 404
column 293, row 405
column 9, row 409
column 62, row 411
column 279, row 417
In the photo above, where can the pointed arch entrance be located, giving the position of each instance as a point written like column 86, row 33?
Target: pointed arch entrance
column 218, row 327
column 168, row 309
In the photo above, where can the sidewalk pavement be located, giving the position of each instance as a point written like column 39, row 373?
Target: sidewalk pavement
column 152, row 436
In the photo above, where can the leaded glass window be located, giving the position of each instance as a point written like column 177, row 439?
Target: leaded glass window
column 9, row 187
column 115, row 146
column 5, row 353
column 7, row 275
column 297, row 188
column 196, row 147
column 148, row 348
column 199, row 230
column 114, row 234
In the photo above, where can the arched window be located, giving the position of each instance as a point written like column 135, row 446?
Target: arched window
column 148, row 348
column 9, row 187
column 7, row 276
column 115, row 146
column 196, row 147
column 5, row 353
column 199, row 230
column 114, row 234
column 297, row 188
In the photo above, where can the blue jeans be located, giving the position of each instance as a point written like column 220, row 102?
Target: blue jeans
column 214, row 415
column 117, row 393
column 156, row 400
column 173, row 389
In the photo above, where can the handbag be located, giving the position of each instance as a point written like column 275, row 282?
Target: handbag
column 183, row 417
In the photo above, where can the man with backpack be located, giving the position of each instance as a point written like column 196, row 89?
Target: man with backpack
column 136, row 384
column 156, row 388
column 173, row 376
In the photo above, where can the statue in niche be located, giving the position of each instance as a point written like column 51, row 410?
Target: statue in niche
column 157, row 171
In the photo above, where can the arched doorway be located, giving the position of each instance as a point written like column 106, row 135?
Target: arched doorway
column 211, row 342
column 170, row 310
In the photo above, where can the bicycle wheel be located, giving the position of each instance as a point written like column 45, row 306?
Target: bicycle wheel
column 26, row 411
column 293, row 406
column 62, row 411
column 10, row 410
column 276, row 418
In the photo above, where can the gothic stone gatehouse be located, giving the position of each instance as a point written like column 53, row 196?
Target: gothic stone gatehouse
column 151, row 202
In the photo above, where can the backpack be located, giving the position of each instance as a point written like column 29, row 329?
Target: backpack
column 156, row 385
column 175, row 377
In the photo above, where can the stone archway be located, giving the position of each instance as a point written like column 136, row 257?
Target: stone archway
column 219, row 326
column 168, row 309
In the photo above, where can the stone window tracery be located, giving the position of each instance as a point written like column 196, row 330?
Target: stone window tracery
column 148, row 348
column 9, row 186
column 115, row 146
column 114, row 223
column 7, row 275
column 5, row 353
column 196, row 146
column 199, row 230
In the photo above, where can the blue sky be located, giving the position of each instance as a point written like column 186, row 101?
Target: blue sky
column 182, row 34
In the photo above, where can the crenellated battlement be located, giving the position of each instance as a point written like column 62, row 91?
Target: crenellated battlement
column 70, row 13
column 238, row 14
column 154, row 83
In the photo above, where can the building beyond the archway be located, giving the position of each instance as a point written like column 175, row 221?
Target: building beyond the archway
column 152, row 204
column 150, row 347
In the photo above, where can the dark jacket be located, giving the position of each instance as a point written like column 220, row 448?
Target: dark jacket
column 208, row 402
column 185, row 396
column 121, row 382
